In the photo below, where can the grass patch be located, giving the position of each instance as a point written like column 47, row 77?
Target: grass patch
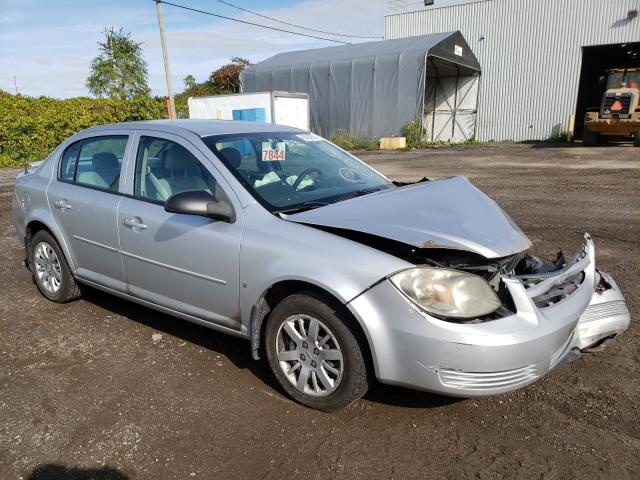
column 347, row 141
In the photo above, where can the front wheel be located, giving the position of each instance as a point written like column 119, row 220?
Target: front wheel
column 636, row 139
column 315, row 354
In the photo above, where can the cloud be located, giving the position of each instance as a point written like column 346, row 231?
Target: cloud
column 52, row 56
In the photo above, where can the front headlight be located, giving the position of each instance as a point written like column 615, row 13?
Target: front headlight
column 447, row 293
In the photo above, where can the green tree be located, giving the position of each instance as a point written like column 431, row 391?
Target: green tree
column 189, row 82
column 119, row 71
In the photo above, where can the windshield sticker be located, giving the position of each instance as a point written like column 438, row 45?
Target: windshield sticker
column 351, row 176
column 355, row 165
column 271, row 154
column 310, row 137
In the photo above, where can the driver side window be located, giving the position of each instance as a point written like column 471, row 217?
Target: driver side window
column 164, row 168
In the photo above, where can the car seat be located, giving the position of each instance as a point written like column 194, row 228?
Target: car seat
column 105, row 171
column 182, row 172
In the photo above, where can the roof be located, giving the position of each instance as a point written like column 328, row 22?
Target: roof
column 202, row 128
column 435, row 44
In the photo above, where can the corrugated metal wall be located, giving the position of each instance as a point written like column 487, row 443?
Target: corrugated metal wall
column 530, row 53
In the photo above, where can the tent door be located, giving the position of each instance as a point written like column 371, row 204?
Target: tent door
column 451, row 100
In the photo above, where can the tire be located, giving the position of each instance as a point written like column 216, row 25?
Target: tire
column 590, row 139
column 50, row 270
column 334, row 356
column 636, row 139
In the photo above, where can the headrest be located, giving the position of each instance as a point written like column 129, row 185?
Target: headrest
column 232, row 156
column 178, row 158
column 105, row 161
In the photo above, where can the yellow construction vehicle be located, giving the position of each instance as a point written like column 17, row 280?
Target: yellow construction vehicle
column 619, row 112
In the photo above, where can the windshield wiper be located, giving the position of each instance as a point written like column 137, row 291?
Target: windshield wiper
column 360, row 193
column 301, row 207
column 311, row 204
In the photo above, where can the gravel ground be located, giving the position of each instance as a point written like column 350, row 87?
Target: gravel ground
column 86, row 392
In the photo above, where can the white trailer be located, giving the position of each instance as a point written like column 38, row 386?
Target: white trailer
column 283, row 108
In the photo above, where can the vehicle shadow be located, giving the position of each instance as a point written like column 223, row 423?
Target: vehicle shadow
column 575, row 144
column 235, row 349
column 60, row 472
column 404, row 397
column 238, row 352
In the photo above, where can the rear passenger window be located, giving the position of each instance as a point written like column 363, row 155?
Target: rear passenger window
column 164, row 168
column 99, row 162
column 69, row 162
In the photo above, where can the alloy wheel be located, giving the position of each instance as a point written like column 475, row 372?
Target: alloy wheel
column 309, row 355
column 47, row 267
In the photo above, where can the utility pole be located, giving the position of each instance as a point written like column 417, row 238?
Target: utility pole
column 15, row 84
column 165, row 57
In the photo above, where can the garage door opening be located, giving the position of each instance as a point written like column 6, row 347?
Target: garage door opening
column 451, row 101
column 596, row 60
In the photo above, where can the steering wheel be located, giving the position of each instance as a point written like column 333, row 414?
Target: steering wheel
column 304, row 174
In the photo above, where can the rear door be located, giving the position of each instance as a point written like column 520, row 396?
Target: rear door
column 184, row 262
column 84, row 198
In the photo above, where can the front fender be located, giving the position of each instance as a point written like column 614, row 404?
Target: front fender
column 275, row 250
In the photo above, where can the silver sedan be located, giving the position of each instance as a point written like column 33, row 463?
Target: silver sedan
column 335, row 274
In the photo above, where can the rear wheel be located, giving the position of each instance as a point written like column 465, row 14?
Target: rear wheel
column 590, row 139
column 50, row 269
column 636, row 139
column 315, row 354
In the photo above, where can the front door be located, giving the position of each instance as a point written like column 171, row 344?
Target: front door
column 184, row 262
column 84, row 200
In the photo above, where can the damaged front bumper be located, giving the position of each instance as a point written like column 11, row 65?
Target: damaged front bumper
column 559, row 316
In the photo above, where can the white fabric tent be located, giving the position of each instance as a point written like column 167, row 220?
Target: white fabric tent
column 373, row 89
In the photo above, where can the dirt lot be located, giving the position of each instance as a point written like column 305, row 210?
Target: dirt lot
column 86, row 393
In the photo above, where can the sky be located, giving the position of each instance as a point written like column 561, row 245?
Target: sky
column 48, row 45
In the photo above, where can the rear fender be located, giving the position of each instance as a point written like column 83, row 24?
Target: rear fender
column 43, row 215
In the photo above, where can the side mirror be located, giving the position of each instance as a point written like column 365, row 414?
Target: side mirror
column 199, row 202
column 602, row 80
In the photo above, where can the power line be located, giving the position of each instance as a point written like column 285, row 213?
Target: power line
column 293, row 24
column 251, row 23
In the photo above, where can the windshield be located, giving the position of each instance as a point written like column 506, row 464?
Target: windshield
column 291, row 171
column 630, row 78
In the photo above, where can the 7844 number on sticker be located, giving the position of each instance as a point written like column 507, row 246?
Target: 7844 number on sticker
column 272, row 155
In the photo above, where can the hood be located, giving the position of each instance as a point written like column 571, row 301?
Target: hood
column 449, row 213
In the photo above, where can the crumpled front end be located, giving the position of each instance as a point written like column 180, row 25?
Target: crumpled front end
column 605, row 316
column 555, row 317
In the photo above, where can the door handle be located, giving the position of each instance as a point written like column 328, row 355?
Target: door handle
column 133, row 223
column 62, row 204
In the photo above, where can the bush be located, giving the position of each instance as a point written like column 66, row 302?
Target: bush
column 413, row 133
column 346, row 141
column 558, row 134
column 30, row 128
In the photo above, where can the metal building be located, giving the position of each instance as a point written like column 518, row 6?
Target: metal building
column 540, row 59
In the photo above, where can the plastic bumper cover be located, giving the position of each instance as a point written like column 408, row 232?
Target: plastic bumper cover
column 413, row 349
